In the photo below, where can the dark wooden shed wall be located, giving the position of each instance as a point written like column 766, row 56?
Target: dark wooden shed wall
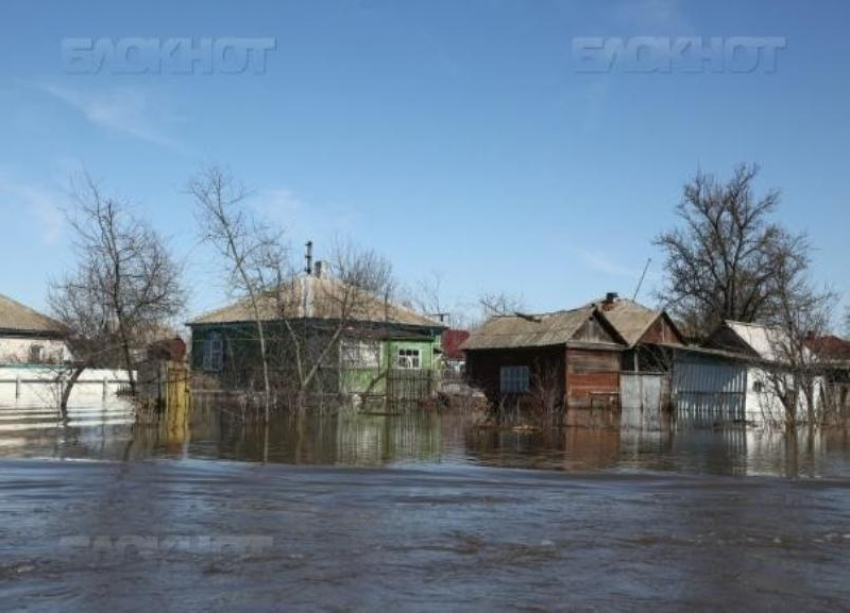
column 483, row 367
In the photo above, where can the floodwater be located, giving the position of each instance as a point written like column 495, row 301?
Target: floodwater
column 415, row 513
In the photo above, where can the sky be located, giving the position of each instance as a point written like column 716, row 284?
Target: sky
column 464, row 139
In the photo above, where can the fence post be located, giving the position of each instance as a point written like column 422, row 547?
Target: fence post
column 105, row 388
column 17, row 387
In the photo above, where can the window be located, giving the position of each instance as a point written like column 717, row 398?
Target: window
column 409, row 359
column 514, row 378
column 360, row 354
column 758, row 387
column 35, row 354
column 213, row 353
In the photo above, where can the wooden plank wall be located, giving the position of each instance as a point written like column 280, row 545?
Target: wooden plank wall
column 593, row 378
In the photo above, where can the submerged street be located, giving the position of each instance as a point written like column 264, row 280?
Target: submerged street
column 349, row 539
column 415, row 513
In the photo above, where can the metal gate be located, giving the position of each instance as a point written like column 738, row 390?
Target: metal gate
column 642, row 398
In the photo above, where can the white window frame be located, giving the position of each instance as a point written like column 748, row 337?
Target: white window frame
column 360, row 353
column 408, row 358
column 213, row 360
column 514, row 379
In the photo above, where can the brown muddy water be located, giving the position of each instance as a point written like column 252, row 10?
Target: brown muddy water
column 415, row 513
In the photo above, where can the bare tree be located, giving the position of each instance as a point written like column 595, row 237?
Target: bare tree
column 300, row 318
column 350, row 302
column 251, row 252
column 547, row 393
column 724, row 261
column 496, row 304
column 427, row 297
column 125, row 284
column 795, row 374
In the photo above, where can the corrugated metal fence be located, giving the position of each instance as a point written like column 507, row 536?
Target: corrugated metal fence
column 708, row 392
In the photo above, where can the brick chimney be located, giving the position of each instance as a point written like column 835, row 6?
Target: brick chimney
column 610, row 301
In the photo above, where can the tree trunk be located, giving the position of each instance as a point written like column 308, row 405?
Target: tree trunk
column 128, row 360
column 66, row 390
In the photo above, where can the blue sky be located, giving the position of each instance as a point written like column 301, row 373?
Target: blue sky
column 455, row 137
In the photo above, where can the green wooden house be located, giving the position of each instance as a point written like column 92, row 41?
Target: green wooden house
column 363, row 346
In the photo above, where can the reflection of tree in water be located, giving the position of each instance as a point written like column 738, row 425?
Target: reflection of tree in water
column 349, row 439
column 214, row 431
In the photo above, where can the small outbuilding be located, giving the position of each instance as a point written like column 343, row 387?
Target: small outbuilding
column 567, row 358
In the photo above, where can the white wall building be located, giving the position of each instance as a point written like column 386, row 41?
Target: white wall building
column 28, row 337
column 730, row 379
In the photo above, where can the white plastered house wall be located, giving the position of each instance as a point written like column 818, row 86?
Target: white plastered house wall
column 30, row 337
column 762, row 404
column 26, row 350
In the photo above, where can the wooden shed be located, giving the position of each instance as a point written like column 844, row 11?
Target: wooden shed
column 573, row 356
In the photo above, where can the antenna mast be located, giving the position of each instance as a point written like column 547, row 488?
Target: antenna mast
column 642, row 277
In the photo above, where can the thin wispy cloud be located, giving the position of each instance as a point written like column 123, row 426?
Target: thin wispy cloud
column 305, row 219
column 40, row 203
column 602, row 263
column 132, row 112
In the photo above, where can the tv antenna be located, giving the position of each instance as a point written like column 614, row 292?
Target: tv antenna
column 642, row 277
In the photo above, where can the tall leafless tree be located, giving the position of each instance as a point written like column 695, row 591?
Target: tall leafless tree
column 796, row 375
column 352, row 300
column 498, row 304
column 245, row 245
column 126, row 284
column 286, row 303
column 723, row 262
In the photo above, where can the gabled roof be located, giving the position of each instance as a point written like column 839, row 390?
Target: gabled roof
column 830, row 347
column 760, row 341
column 519, row 330
column 631, row 319
column 18, row 318
column 309, row 297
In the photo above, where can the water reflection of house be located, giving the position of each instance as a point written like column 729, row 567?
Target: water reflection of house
column 364, row 345
column 28, row 337
column 580, row 356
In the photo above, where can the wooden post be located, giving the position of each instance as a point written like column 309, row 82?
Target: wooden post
column 17, row 387
column 105, row 388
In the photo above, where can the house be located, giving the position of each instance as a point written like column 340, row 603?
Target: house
column 362, row 345
column 28, row 337
column 728, row 379
column 572, row 357
column 609, row 353
column 833, row 354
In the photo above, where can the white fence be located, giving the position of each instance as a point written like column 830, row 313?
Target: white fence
column 41, row 386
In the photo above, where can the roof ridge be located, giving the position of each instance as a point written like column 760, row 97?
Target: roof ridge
column 519, row 314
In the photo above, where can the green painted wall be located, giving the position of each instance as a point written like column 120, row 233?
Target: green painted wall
column 242, row 349
column 360, row 380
